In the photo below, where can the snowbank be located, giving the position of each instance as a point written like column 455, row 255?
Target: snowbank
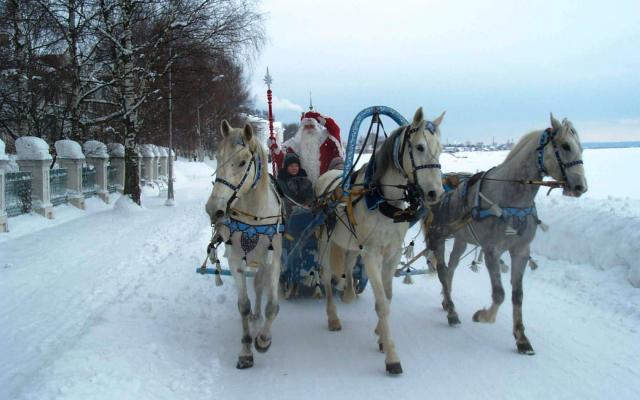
column 116, row 150
column 69, row 149
column 32, row 148
column 125, row 205
column 605, row 234
column 190, row 171
column 95, row 149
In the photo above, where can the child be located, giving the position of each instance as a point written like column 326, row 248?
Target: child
column 294, row 182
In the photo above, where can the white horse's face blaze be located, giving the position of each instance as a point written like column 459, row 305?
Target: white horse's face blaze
column 234, row 161
column 570, row 150
column 426, row 151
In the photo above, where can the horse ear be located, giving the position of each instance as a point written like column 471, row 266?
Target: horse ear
column 438, row 120
column 555, row 124
column 418, row 116
column 247, row 132
column 225, row 128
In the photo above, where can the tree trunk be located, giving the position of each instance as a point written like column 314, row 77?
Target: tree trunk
column 131, row 181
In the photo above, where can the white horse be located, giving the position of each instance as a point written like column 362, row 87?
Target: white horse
column 246, row 211
column 402, row 177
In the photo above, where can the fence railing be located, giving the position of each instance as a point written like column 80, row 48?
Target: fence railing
column 18, row 193
column 88, row 182
column 112, row 176
column 58, row 186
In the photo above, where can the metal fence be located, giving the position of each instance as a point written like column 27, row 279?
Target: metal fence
column 88, row 182
column 112, row 176
column 58, row 186
column 18, row 193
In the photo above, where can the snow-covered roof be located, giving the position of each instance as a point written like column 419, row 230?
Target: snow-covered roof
column 32, row 148
column 147, row 150
column 116, row 150
column 3, row 156
column 96, row 149
column 156, row 150
column 69, row 149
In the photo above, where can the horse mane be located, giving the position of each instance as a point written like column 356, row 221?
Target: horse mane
column 384, row 155
column 522, row 143
column 264, row 160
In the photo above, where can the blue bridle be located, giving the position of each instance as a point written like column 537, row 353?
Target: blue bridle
column 257, row 165
column 549, row 136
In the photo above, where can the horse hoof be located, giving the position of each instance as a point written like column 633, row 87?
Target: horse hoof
column 453, row 320
column 260, row 345
column 394, row 368
column 526, row 349
column 476, row 316
column 245, row 362
column 334, row 325
column 480, row 316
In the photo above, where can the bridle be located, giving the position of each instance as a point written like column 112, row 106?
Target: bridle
column 257, row 167
column 414, row 192
column 549, row 136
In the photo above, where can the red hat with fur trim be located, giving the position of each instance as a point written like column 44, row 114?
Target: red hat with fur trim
column 326, row 122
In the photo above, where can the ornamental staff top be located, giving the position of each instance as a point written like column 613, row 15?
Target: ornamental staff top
column 268, row 80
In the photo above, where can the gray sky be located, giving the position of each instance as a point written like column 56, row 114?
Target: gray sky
column 497, row 67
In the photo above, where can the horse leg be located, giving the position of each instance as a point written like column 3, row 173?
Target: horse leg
column 444, row 275
column 349, row 263
column 492, row 260
column 332, row 316
column 263, row 339
column 519, row 261
column 459, row 246
column 372, row 261
column 245, row 359
column 257, row 286
column 388, row 270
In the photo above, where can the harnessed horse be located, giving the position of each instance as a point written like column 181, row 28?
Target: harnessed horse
column 246, row 213
column 503, row 215
column 404, row 170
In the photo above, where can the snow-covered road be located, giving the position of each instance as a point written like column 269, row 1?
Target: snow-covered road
column 108, row 306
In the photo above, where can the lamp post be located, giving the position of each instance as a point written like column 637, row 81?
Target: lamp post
column 170, row 201
column 268, row 81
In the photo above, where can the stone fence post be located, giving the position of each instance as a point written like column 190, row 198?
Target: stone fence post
column 164, row 158
column 148, row 158
column 71, row 158
column 34, row 157
column 116, row 154
column 96, row 154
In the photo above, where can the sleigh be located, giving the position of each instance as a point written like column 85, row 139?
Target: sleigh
column 300, row 275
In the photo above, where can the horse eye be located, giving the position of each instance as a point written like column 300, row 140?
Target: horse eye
column 420, row 148
column 242, row 163
column 566, row 147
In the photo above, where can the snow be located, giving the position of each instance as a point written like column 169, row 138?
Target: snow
column 147, row 150
column 162, row 151
column 96, row 149
column 116, row 150
column 32, row 148
column 69, row 149
column 105, row 304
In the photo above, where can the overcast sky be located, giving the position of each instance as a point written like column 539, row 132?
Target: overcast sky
column 497, row 67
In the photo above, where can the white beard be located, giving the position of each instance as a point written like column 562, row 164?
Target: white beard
column 306, row 144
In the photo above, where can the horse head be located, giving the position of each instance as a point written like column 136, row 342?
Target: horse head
column 420, row 155
column 238, row 170
column 562, row 159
